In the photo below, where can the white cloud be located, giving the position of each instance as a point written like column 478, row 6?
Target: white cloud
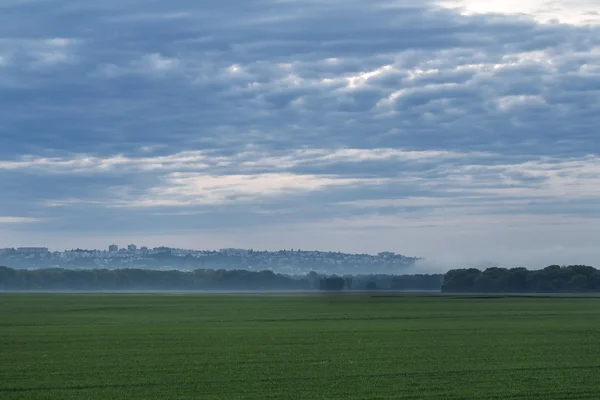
column 157, row 62
column 546, row 11
column 324, row 157
column 54, row 51
column 119, row 163
column 52, row 57
column 60, row 42
column 467, row 183
column 559, row 179
column 363, row 77
column 145, row 17
column 507, row 103
column 193, row 189
column 235, row 68
column 39, row 52
column 18, row 220
column 202, row 160
column 152, row 64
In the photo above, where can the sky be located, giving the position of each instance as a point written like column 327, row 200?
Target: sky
column 458, row 131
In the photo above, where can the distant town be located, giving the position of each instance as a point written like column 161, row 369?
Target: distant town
column 166, row 258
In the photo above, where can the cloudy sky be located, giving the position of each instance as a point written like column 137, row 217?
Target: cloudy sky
column 452, row 130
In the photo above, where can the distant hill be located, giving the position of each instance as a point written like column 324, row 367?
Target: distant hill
column 283, row 261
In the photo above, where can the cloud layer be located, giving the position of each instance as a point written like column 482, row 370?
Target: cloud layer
column 355, row 125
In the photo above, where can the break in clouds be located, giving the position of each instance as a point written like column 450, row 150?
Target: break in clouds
column 448, row 130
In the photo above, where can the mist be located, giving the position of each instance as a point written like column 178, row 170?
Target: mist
column 204, row 280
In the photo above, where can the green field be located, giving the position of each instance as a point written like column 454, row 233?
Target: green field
column 299, row 347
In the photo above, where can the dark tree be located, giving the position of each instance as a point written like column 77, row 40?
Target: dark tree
column 552, row 279
column 333, row 283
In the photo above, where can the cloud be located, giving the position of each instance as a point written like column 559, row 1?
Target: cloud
column 18, row 220
column 251, row 158
column 149, row 17
column 153, row 64
column 37, row 53
column 473, row 182
column 192, row 189
column 438, row 118
column 572, row 12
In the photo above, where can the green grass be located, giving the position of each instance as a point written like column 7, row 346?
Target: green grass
column 298, row 347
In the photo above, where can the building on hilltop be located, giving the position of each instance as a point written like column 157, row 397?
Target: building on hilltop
column 113, row 248
column 234, row 252
column 132, row 247
column 32, row 250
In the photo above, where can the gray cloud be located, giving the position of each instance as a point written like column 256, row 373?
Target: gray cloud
column 169, row 117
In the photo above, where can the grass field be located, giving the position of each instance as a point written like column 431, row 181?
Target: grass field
column 298, row 347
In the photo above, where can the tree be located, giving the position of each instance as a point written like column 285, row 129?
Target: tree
column 334, row 283
column 552, row 279
column 6, row 275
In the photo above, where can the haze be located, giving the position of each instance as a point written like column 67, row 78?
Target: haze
column 447, row 130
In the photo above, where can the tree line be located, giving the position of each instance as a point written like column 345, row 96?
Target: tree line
column 552, row 279
column 202, row 279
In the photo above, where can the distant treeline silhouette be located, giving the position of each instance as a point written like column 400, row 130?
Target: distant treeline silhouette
column 203, row 279
column 552, row 279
